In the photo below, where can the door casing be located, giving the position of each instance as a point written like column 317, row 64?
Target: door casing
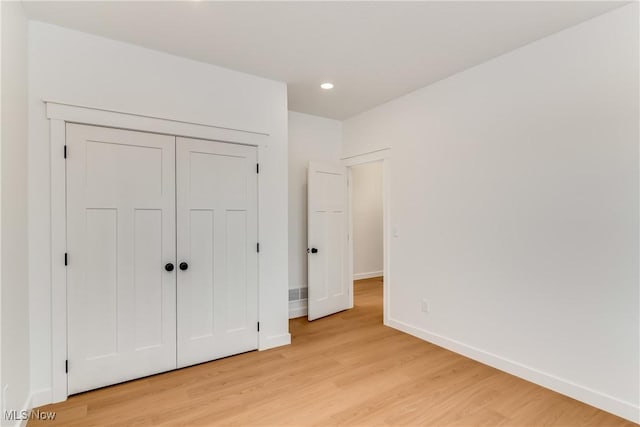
column 383, row 156
column 58, row 115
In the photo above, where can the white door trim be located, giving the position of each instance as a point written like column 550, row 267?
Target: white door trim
column 58, row 269
column 141, row 122
column 384, row 156
column 59, row 114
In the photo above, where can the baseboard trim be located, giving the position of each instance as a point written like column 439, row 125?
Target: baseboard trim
column 297, row 308
column 275, row 341
column 28, row 406
column 589, row 396
column 23, row 412
column 369, row 275
column 41, row 397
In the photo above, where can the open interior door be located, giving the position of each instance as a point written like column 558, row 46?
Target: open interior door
column 328, row 225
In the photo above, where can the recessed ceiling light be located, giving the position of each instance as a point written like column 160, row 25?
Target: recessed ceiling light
column 326, row 86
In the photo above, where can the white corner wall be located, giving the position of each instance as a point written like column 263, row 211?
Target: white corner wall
column 310, row 138
column 366, row 205
column 514, row 194
column 14, row 368
column 72, row 67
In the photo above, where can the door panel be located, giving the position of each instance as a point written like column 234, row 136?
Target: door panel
column 99, row 293
column 217, row 236
column 201, row 265
column 327, row 233
column 148, row 296
column 120, row 233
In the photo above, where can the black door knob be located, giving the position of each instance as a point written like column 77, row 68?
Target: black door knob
column 168, row 267
column 184, row 266
column 314, row 251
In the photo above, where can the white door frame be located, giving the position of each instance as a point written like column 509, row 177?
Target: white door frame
column 61, row 113
column 384, row 156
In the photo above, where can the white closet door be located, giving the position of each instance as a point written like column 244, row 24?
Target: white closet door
column 217, row 236
column 120, row 234
column 328, row 275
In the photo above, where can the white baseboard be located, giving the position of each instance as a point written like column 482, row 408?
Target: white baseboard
column 275, row 341
column 589, row 396
column 26, row 408
column 297, row 308
column 369, row 275
column 41, row 397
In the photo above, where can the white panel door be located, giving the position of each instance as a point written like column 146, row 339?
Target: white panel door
column 120, row 234
column 328, row 279
column 217, row 236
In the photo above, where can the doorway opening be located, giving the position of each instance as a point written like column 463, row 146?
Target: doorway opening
column 376, row 282
column 367, row 235
column 330, row 231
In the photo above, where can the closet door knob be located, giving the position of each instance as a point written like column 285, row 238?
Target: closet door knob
column 184, row 266
column 168, row 267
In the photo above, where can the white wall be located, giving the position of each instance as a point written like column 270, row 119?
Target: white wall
column 77, row 68
column 514, row 194
column 366, row 205
column 310, row 138
column 15, row 303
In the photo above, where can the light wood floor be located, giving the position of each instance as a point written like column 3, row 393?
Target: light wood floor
column 346, row 369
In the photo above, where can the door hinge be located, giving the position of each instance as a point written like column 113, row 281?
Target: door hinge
column 258, row 326
column 66, row 366
column 66, row 259
column 257, row 247
column 257, row 167
column 65, row 151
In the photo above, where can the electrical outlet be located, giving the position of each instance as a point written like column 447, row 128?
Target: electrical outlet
column 425, row 305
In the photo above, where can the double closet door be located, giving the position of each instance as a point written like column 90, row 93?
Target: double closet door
column 162, row 263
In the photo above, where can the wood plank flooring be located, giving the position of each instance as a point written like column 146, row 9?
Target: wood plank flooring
column 346, row 369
